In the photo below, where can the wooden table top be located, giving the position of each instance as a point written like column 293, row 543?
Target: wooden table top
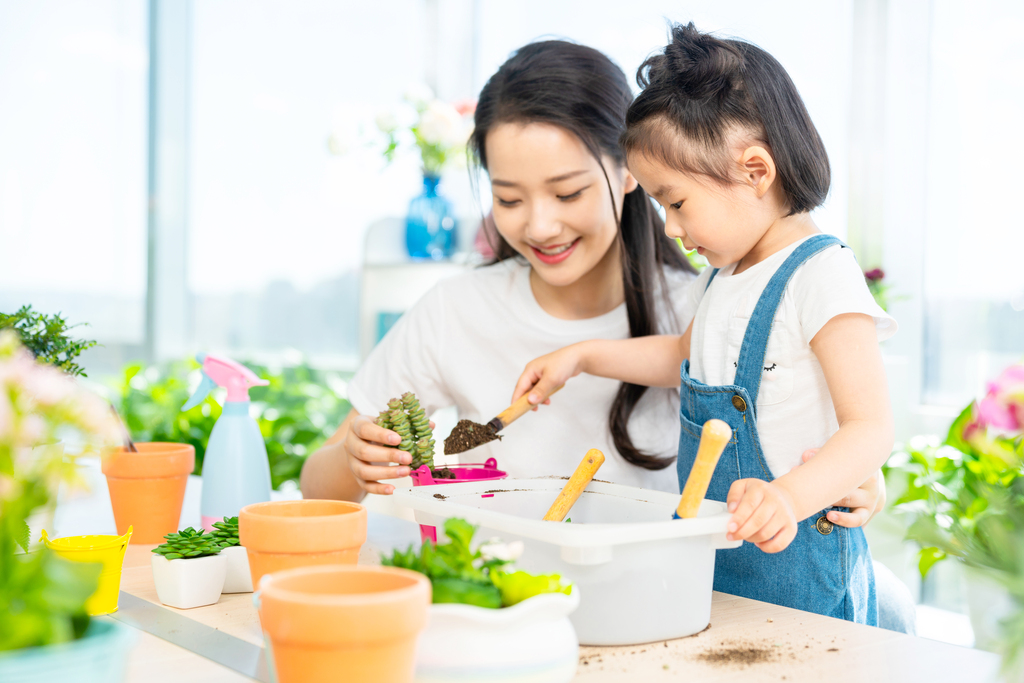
column 746, row 641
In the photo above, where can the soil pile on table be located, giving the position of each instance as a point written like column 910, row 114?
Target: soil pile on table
column 468, row 434
column 739, row 654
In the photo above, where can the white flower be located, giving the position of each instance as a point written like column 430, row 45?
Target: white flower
column 495, row 549
column 442, row 125
column 418, row 94
column 386, row 120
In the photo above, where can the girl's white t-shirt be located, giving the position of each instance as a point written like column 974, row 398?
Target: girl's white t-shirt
column 465, row 344
column 794, row 407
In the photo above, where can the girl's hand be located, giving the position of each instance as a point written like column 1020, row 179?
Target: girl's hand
column 365, row 452
column 864, row 502
column 762, row 514
column 543, row 375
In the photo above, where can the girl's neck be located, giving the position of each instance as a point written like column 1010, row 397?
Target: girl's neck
column 597, row 292
column 781, row 233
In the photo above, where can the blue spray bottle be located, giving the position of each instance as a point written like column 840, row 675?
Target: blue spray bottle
column 235, row 468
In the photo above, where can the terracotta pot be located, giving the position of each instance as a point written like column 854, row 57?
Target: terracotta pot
column 357, row 622
column 147, row 488
column 286, row 534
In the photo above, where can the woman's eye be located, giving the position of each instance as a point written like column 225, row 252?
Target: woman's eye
column 570, row 197
column 503, row 202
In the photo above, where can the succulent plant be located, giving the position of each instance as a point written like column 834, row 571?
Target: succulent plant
column 226, row 532
column 406, row 417
column 188, row 544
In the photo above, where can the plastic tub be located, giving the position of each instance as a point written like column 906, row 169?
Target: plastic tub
column 486, row 471
column 100, row 656
column 642, row 575
column 105, row 550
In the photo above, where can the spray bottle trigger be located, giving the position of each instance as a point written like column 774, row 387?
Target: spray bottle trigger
column 201, row 392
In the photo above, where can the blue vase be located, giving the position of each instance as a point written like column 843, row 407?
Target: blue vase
column 430, row 226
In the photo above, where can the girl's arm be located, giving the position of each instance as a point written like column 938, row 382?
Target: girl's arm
column 766, row 513
column 649, row 361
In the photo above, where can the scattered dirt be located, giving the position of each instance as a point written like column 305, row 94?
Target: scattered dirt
column 739, row 654
column 468, row 434
column 440, row 496
column 832, row 649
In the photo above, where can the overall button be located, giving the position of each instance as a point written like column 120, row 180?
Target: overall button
column 823, row 526
column 738, row 403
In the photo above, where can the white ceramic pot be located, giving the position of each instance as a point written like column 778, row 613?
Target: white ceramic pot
column 533, row 641
column 187, row 583
column 239, row 579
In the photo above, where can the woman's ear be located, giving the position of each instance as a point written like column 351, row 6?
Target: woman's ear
column 758, row 168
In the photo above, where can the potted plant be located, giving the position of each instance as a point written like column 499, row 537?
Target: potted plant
column 505, row 622
column 238, row 579
column 45, row 632
column 949, row 485
column 188, row 569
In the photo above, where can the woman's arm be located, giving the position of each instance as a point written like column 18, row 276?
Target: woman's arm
column 766, row 513
column 649, row 361
column 343, row 468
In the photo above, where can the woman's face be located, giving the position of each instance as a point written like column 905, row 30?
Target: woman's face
column 551, row 201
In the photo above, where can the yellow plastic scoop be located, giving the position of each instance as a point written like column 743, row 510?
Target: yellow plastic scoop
column 713, row 439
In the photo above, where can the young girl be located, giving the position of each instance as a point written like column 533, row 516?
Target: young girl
column 784, row 345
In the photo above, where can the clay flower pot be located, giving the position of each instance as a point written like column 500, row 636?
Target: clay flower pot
column 359, row 623
column 189, row 582
column 148, row 487
column 286, row 534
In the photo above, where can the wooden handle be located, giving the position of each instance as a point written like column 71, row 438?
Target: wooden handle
column 517, row 410
column 713, row 438
column 585, row 471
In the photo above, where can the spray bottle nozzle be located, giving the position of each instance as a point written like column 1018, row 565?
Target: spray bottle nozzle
column 224, row 372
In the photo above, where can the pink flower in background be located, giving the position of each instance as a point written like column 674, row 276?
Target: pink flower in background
column 1003, row 405
column 875, row 275
column 465, row 107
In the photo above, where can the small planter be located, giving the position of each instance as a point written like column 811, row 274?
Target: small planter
column 357, row 623
column 105, row 550
column 286, row 534
column 531, row 641
column 469, row 472
column 188, row 583
column 239, row 578
column 147, row 488
column 99, row 656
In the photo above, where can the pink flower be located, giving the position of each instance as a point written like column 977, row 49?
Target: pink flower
column 874, row 275
column 465, row 107
column 1003, row 405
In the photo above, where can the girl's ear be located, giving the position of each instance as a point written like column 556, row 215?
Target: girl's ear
column 758, row 169
column 629, row 183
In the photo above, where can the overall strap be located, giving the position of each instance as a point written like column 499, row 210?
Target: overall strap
column 750, row 365
column 712, row 278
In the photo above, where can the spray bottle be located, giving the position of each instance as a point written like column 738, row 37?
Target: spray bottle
column 235, row 468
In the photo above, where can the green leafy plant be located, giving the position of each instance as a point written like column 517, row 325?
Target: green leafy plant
column 948, row 484
column 46, row 337
column 406, row 418
column 880, row 290
column 188, row 544
column 460, row 574
column 42, row 596
column 296, row 412
column 225, row 532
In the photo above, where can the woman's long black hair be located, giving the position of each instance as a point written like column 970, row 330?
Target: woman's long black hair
column 583, row 92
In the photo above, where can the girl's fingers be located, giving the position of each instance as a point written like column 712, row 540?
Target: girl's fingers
column 759, row 520
column 781, row 540
column 744, row 509
column 859, row 517
column 525, row 383
column 808, row 454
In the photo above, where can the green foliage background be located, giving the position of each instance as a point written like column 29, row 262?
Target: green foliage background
column 46, row 337
column 296, row 413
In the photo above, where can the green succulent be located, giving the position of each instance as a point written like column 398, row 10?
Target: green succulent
column 226, row 532
column 188, row 544
column 406, row 417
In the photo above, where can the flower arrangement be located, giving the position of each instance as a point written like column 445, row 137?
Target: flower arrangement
column 880, row 290
column 42, row 596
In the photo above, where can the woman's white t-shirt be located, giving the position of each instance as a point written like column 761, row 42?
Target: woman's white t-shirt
column 466, row 342
column 794, row 407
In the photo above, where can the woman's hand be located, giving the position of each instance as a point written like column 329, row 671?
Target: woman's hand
column 864, row 502
column 366, row 447
column 545, row 374
column 762, row 513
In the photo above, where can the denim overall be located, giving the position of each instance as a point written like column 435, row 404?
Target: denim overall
column 827, row 568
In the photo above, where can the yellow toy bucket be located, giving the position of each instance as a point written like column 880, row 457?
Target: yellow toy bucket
column 106, row 550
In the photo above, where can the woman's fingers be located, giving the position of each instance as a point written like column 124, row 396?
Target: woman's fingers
column 367, row 430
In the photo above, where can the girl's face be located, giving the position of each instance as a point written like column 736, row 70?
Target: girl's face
column 722, row 222
column 551, row 201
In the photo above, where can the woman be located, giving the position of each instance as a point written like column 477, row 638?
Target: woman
column 580, row 254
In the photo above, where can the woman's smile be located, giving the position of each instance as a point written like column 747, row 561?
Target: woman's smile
column 555, row 253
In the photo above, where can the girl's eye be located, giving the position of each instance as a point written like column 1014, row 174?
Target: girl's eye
column 570, row 197
column 676, row 205
column 502, row 202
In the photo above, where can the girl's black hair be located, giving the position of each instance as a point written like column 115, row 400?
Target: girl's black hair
column 702, row 89
column 583, row 92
